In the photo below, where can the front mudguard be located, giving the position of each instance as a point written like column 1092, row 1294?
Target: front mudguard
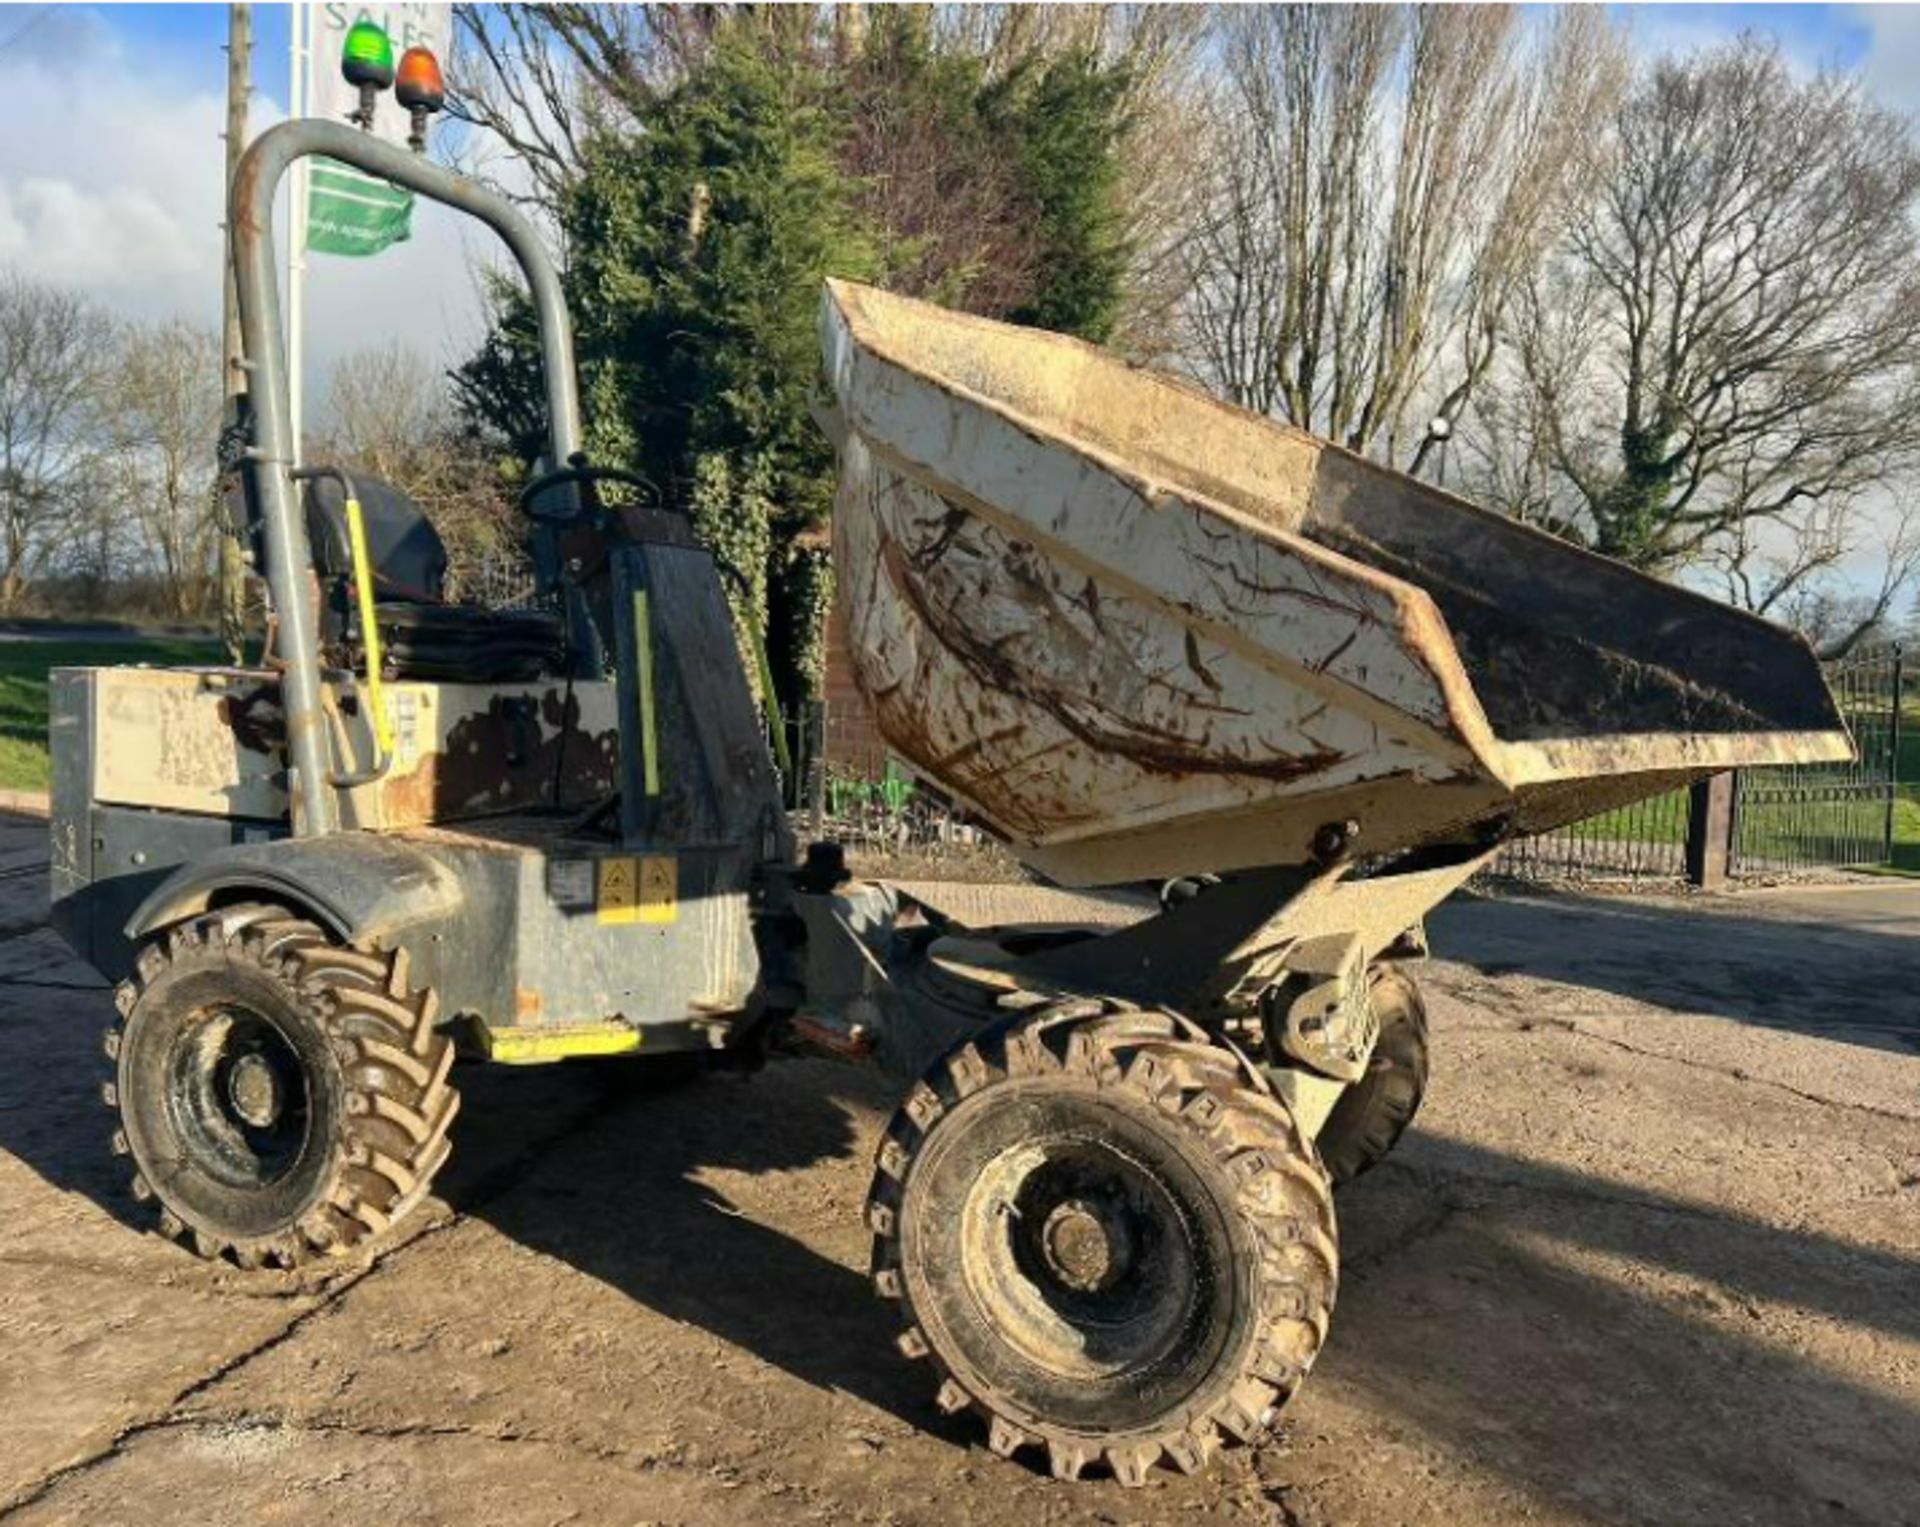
column 362, row 888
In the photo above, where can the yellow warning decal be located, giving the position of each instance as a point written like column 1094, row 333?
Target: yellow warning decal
column 638, row 889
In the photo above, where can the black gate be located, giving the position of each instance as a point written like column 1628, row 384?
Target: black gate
column 1646, row 840
column 1831, row 815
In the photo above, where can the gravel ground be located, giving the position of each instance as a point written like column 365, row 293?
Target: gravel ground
column 1652, row 1253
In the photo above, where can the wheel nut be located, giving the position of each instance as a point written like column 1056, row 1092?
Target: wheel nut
column 254, row 1091
column 1086, row 1248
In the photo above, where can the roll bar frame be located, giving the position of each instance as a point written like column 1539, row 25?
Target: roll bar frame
column 289, row 569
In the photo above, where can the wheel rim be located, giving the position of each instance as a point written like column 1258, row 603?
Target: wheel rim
column 1082, row 1253
column 240, row 1100
column 232, row 1100
column 1070, row 1262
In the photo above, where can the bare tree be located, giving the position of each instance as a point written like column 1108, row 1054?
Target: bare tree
column 1834, row 570
column 1722, row 365
column 1164, row 179
column 53, row 345
column 540, row 79
column 386, row 412
column 389, row 416
column 1386, row 179
column 160, row 406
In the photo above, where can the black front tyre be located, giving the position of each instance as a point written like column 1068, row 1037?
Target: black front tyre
column 1108, row 1236
column 282, row 1097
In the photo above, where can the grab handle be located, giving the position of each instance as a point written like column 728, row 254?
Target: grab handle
column 369, row 630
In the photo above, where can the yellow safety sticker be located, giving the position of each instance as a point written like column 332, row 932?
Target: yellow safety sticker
column 638, row 889
column 659, row 888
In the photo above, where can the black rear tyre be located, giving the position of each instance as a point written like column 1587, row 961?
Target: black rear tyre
column 281, row 1096
column 1108, row 1236
column 1375, row 1111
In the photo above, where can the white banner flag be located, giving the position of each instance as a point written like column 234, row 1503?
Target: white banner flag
column 347, row 212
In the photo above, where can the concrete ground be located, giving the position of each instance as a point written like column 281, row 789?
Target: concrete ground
column 1651, row 1254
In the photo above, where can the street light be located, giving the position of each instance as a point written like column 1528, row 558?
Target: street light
column 1440, row 431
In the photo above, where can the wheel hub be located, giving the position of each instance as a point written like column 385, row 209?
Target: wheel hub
column 1086, row 1245
column 254, row 1091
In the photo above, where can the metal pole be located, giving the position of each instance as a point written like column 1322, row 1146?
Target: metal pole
column 289, row 560
column 816, row 714
column 233, row 567
column 1893, row 755
column 299, row 50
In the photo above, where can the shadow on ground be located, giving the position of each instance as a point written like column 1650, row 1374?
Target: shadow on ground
column 633, row 1200
column 1500, row 1328
column 1624, row 1355
column 1827, row 978
column 1483, row 1306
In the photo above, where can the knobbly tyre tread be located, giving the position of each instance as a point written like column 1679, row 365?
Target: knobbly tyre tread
column 1375, row 1111
column 396, row 1063
column 1207, row 1088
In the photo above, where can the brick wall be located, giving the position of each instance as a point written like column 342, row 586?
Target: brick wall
column 853, row 742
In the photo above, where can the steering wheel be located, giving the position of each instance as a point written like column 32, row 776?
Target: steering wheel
column 588, row 503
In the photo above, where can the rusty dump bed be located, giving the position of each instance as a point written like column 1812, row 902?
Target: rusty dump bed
column 1144, row 633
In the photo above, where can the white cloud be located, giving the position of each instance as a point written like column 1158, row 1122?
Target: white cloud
column 1892, row 62
column 120, row 196
column 121, row 238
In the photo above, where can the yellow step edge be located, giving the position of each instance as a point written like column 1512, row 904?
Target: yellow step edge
column 533, row 1046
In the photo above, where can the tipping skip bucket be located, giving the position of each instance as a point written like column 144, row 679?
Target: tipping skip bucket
column 1142, row 633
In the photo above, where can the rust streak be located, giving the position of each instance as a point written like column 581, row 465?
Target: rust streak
column 1338, row 652
column 1200, row 670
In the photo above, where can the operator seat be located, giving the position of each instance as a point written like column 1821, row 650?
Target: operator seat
column 422, row 636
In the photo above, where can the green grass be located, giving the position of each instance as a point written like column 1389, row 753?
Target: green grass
column 1906, row 822
column 1906, row 772
column 1785, row 833
column 1771, row 831
column 1660, row 819
column 24, row 764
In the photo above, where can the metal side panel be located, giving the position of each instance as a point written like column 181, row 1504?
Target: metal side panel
column 212, row 741
column 363, row 887
column 651, row 938
column 69, row 846
column 132, row 852
column 697, row 771
column 103, row 861
column 540, row 934
column 556, row 934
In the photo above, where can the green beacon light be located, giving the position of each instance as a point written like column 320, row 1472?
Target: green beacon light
column 366, row 61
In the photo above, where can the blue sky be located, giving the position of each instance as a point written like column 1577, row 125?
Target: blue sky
column 1837, row 35
column 121, row 196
